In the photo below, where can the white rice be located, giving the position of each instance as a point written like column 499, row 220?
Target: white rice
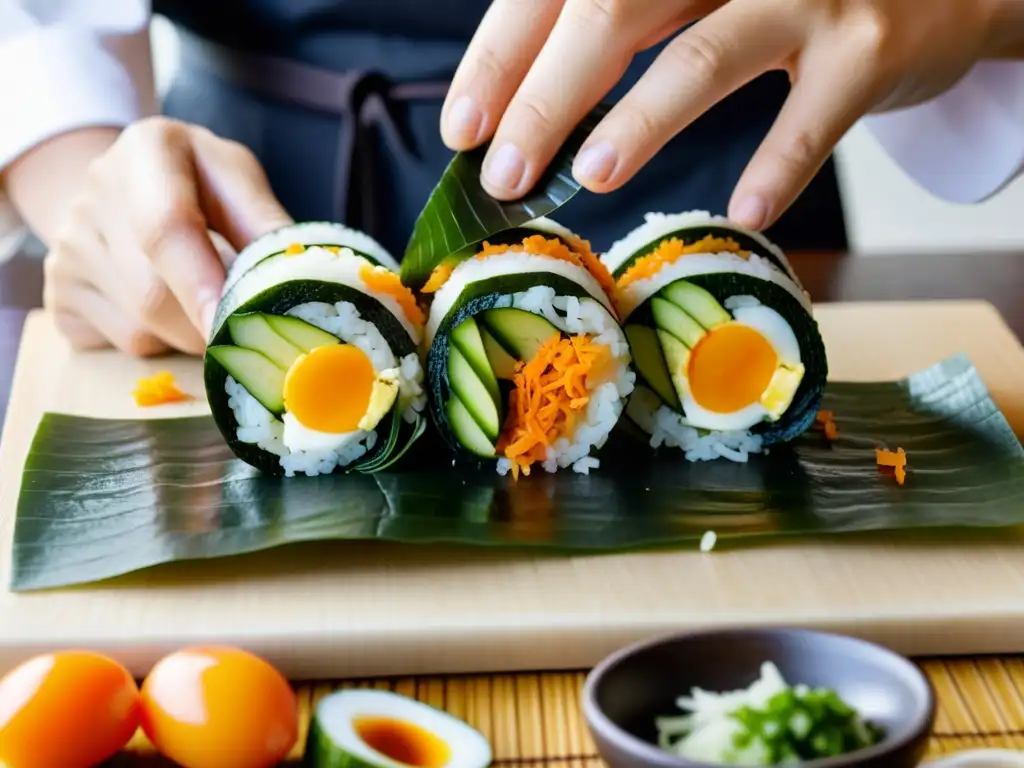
column 307, row 234
column 636, row 293
column 657, row 226
column 502, row 265
column 258, row 426
column 316, row 264
column 666, row 427
column 587, row 316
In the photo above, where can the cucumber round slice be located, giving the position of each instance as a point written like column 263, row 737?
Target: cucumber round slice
column 362, row 728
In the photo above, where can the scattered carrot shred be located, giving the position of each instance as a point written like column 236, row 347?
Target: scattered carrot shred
column 550, row 391
column 438, row 277
column 295, row 249
column 671, row 250
column 538, row 245
column 896, row 459
column 828, row 424
column 383, row 280
column 335, row 249
column 158, row 389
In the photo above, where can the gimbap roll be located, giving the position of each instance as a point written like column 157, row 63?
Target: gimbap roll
column 727, row 353
column 312, row 365
column 527, row 364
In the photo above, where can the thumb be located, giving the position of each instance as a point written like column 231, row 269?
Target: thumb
column 233, row 190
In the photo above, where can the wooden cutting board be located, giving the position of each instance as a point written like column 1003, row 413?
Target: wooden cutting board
column 347, row 610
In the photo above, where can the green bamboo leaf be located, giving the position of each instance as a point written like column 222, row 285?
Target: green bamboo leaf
column 459, row 213
column 103, row 497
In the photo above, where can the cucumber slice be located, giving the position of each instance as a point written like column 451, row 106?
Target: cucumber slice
column 466, row 337
column 697, row 303
column 677, row 360
column 467, row 430
column 300, row 333
column 474, row 395
column 254, row 332
column 378, row 729
column 650, row 363
column 522, row 333
column 502, row 363
column 260, row 377
column 668, row 317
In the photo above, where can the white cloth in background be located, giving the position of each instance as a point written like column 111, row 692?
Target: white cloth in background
column 68, row 64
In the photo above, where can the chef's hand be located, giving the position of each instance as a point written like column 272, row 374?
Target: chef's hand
column 536, row 67
column 131, row 260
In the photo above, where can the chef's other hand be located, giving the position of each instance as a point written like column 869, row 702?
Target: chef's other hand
column 133, row 263
column 536, row 67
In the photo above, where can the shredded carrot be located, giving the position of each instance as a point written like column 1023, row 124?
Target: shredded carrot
column 295, row 249
column 594, row 265
column 671, row 250
column 438, row 277
column 383, row 280
column 550, row 391
column 896, row 459
column 828, row 424
column 158, row 389
column 538, row 245
column 577, row 252
column 335, row 249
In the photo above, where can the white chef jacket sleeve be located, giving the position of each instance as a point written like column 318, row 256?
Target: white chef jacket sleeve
column 968, row 143
column 62, row 68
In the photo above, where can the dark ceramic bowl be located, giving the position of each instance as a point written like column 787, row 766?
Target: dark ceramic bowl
column 626, row 692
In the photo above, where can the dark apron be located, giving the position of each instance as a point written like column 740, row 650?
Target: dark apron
column 341, row 99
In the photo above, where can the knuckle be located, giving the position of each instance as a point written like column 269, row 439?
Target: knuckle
column 606, row 15
column 537, row 113
column 873, row 32
column 152, row 299
column 799, row 153
column 490, row 67
column 699, row 55
column 641, row 127
column 178, row 223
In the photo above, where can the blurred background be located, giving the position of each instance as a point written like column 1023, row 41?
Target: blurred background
column 887, row 213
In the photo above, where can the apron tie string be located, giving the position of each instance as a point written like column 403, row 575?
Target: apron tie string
column 365, row 103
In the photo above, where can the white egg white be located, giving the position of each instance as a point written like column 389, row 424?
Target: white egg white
column 778, row 333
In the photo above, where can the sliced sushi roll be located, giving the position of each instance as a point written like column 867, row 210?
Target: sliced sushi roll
column 326, row 234
column 668, row 236
column 727, row 353
column 312, row 365
column 527, row 364
column 379, row 729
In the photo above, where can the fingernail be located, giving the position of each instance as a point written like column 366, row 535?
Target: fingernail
column 596, row 163
column 750, row 212
column 505, row 168
column 465, row 120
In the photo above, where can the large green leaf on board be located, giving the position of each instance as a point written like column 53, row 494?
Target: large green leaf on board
column 459, row 213
column 102, row 498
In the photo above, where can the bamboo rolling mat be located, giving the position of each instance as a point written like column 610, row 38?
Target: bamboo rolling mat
column 535, row 720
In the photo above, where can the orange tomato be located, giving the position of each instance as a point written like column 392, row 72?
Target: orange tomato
column 72, row 709
column 219, row 708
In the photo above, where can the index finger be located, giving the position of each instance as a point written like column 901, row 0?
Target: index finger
column 587, row 53
column 168, row 222
column 504, row 46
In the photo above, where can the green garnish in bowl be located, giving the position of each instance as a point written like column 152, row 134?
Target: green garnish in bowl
column 769, row 723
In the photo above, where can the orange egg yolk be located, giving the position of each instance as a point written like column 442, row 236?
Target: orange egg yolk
column 71, row 709
column 219, row 708
column 730, row 368
column 329, row 389
column 403, row 742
